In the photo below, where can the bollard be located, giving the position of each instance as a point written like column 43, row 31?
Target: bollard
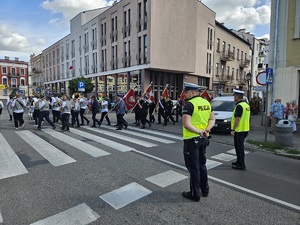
column 283, row 133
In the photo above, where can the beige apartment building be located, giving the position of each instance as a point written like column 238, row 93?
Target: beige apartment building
column 232, row 61
column 285, row 50
column 135, row 42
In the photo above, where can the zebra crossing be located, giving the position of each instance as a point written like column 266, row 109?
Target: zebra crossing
column 11, row 165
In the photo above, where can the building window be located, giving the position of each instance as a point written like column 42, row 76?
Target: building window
column 237, row 74
column 125, row 25
column 145, row 48
column 145, row 14
column 4, row 70
column 22, row 72
column 13, row 71
column 13, row 82
column 129, row 22
column 22, row 82
column 4, row 80
column 233, row 51
column 242, row 55
column 238, row 54
column 140, row 50
column 218, row 44
column 217, row 69
column 140, row 17
column 224, row 46
column 297, row 20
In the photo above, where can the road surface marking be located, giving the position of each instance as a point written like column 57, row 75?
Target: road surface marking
column 161, row 134
column 212, row 164
column 224, row 157
column 79, row 215
column 122, row 137
column 103, row 141
column 87, row 148
column 227, row 183
column 1, row 218
column 10, row 164
column 232, row 151
column 146, row 136
column 125, row 195
column 166, row 178
column 48, row 151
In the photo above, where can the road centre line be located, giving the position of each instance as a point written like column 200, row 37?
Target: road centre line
column 228, row 184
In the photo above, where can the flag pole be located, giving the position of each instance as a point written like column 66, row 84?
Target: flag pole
column 167, row 85
column 141, row 96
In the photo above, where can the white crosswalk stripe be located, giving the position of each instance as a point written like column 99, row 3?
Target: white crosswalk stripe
column 79, row 215
column 10, row 164
column 48, row 151
column 87, row 148
column 146, row 136
column 104, row 141
column 172, row 136
column 224, row 157
column 122, row 137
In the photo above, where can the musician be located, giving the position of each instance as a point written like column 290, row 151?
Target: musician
column 36, row 110
column 76, row 110
column 55, row 103
column 83, row 102
column 66, row 111
column 44, row 107
column 104, row 111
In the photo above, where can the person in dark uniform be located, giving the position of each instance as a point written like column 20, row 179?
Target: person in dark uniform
column 161, row 109
column 121, row 110
column 197, row 120
column 168, row 111
column 179, row 105
column 240, row 126
column 152, row 107
column 95, row 110
column 145, row 108
column 138, row 111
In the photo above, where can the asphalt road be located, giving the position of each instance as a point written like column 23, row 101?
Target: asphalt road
column 101, row 176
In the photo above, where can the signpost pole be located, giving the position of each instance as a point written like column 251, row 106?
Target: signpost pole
column 266, row 113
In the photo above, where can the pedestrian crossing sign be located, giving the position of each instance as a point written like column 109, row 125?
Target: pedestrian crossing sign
column 269, row 76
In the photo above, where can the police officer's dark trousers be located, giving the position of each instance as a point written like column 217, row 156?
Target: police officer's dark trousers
column 239, row 138
column 194, row 151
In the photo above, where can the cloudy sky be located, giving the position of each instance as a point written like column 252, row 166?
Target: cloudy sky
column 29, row 26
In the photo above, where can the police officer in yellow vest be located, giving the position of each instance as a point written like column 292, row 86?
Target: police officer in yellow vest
column 197, row 121
column 240, row 126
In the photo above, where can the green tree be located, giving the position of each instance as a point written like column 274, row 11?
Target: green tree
column 73, row 84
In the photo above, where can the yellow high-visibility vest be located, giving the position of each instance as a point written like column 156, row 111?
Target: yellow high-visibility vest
column 244, row 124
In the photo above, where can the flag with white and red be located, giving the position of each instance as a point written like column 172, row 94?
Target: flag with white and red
column 129, row 99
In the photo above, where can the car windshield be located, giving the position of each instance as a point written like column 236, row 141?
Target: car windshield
column 219, row 105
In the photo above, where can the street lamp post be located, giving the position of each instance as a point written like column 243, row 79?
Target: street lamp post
column 249, row 78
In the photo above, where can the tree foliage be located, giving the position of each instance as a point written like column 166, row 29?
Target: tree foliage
column 73, row 84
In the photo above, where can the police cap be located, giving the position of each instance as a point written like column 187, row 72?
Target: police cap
column 189, row 86
column 238, row 92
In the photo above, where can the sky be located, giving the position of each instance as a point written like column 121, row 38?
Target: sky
column 29, row 26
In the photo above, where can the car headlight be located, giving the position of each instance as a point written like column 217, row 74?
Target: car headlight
column 227, row 120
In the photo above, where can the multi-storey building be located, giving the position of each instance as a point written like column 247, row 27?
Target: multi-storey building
column 259, row 59
column 232, row 61
column 135, row 42
column 13, row 77
column 284, row 55
column 36, row 73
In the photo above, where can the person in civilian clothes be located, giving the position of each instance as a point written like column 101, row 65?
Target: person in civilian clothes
column 197, row 121
column 161, row 109
column 138, row 111
column 145, row 108
column 18, row 106
column 276, row 113
column 168, row 111
column 104, row 111
column 83, row 102
column 9, row 107
column 120, row 111
column 44, row 107
column 65, row 113
column 94, row 108
column 240, row 126
column 36, row 110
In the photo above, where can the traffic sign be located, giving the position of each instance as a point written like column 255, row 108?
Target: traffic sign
column 38, row 89
column 259, row 88
column 81, row 86
column 269, row 76
column 261, row 78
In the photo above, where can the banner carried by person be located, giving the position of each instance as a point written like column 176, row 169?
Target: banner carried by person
column 166, row 92
column 181, row 96
column 129, row 99
column 205, row 95
column 150, row 94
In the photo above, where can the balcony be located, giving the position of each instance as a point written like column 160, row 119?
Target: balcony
column 224, row 78
column 244, row 63
column 11, row 75
column 227, row 56
column 262, row 54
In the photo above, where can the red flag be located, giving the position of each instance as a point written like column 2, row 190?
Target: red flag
column 205, row 95
column 181, row 96
column 129, row 99
column 149, row 92
column 165, row 93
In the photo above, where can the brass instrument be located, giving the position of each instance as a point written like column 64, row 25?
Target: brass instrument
column 75, row 95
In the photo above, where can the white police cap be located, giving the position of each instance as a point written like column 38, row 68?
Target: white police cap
column 238, row 92
column 189, row 86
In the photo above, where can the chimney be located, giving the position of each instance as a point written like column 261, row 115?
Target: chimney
column 16, row 59
column 242, row 30
column 6, row 57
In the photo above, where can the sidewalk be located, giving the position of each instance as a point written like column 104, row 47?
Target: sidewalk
column 257, row 132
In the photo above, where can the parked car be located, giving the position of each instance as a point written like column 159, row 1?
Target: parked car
column 223, row 107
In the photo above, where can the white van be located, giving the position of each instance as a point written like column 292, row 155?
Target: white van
column 223, row 107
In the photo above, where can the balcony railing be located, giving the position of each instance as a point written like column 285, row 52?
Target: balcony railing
column 245, row 63
column 227, row 56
